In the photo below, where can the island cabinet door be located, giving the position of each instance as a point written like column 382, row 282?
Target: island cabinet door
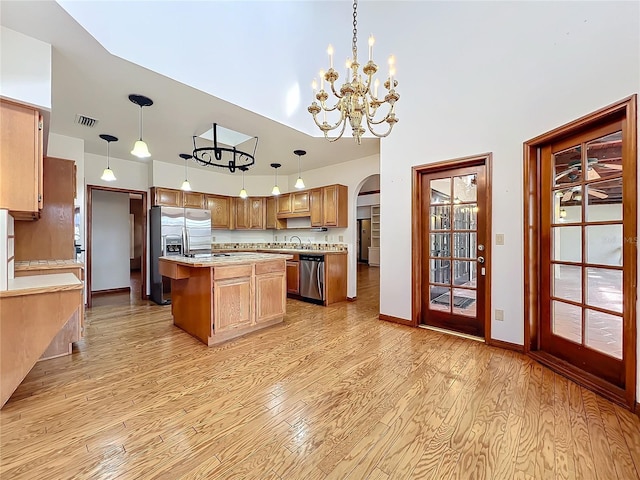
column 271, row 291
column 232, row 299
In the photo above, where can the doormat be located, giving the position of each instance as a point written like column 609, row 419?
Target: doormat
column 458, row 302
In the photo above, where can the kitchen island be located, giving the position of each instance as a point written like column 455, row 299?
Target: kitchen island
column 217, row 298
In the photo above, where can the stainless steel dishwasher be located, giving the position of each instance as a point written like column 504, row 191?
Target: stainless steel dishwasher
column 312, row 278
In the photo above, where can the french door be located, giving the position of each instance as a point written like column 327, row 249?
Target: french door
column 582, row 280
column 453, row 248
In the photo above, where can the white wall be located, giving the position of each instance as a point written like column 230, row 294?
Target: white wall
column 130, row 174
column 526, row 68
column 110, row 240
column 25, row 66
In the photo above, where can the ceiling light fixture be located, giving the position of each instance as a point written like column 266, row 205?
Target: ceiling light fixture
column 243, row 192
column 355, row 100
column 224, row 157
column 107, row 174
column 186, row 186
column 140, row 148
column 299, row 182
column 276, row 189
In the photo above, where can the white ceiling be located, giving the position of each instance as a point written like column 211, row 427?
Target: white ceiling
column 257, row 58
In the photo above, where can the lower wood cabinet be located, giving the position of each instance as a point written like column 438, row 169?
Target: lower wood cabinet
column 293, row 277
column 232, row 298
column 270, row 291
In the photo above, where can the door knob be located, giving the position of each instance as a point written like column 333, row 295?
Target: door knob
column 480, row 259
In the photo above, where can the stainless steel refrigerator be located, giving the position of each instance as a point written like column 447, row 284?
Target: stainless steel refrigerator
column 175, row 231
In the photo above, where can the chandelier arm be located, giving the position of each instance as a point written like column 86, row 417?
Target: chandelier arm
column 379, row 135
column 344, row 125
column 324, row 107
column 333, row 89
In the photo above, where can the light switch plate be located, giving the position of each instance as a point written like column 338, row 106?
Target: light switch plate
column 499, row 238
column 340, row 238
column 499, row 315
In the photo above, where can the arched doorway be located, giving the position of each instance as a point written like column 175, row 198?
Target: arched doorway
column 366, row 257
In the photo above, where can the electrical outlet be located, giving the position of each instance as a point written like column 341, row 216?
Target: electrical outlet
column 326, row 238
column 499, row 238
column 499, row 315
column 340, row 238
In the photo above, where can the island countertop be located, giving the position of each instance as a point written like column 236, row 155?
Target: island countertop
column 223, row 259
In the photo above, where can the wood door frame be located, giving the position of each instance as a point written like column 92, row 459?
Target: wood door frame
column 417, row 171
column 89, row 216
column 627, row 109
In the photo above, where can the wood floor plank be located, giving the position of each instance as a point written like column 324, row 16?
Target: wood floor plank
column 329, row 393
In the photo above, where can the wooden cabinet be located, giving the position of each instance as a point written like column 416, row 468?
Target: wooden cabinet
column 166, row 197
column 300, row 202
column 232, row 294
column 193, row 200
column 220, row 207
column 293, row 276
column 284, row 203
column 315, row 206
column 250, row 213
column 335, row 275
column 272, row 220
column 20, row 160
column 334, row 206
column 51, row 237
column 270, row 291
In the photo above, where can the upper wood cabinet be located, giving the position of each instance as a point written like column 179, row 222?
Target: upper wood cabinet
column 300, row 202
column 166, row 197
column 272, row 221
column 334, row 205
column 315, row 205
column 20, row 160
column 220, row 207
column 284, row 203
column 250, row 213
column 193, row 200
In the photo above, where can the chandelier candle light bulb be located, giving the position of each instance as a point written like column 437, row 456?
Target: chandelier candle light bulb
column 357, row 100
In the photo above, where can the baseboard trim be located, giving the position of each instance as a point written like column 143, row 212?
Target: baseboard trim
column 351, row 299
column 506, row 345
column 638, row 409
column 111, row 290
column 391, row 318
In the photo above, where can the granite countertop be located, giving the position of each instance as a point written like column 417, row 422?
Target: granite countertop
column 235, row 258
column 34, row 284
column 301, row 251
column 46, row 264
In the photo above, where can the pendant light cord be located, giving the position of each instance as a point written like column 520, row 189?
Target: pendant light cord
column 141, row 123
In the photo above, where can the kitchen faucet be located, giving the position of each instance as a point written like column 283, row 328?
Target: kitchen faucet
column 295, row 236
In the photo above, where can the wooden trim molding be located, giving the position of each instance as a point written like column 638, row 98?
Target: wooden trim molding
column 626, row 112
column 109, row 291
column 506, row 345
column 351, row 299
column 391, row 318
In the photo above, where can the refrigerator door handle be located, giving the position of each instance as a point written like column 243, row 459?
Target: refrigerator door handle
column 186, row 249
column 321, row 279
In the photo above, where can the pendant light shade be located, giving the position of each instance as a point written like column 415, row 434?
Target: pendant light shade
column 140, row 148
column 299, row 182
column 243, row 193
column 186, row 186
column 107, row 174
column 276, row 190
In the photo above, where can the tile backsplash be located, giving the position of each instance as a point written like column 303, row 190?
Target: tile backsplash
column 333, row 247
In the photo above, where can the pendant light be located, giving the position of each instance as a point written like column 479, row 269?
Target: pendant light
column 186, row 186
column 276, row 190
column 140, row 148
column 243, row 192
column 299, row 182
column 107, row 174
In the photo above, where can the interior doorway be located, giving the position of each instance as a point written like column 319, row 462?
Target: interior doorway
column 116, row 242
column 581, row 252
column 452, row 245
column 364, row 239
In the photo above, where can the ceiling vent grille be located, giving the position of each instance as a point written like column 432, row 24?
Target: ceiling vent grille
column 85, row 121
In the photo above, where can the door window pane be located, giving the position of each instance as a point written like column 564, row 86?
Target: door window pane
column 567, row 166
column 604, row 288
column 566, row 321
column 464, row 302
column 603, row 332
column 604, row 244
column 464, row 245
column 465, row 188
column 439, row 216
column 440, row 190
column 440, row 298
column 567, row 282
column 465, row 216
column 604, row 201
column 566, row 208
column 464, row 273
column 440, row 271
column 567, row 244
column 604, row 156
column 440, row 245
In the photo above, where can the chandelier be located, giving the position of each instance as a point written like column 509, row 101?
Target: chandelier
column 356, row 100
column 223, row 156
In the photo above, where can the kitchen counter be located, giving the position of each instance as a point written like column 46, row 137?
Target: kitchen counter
column 297, row 251
column 216, row 298
column 35, row 284
column 26, row 265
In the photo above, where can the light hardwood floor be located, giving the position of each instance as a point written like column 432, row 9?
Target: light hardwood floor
column 331, row 393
